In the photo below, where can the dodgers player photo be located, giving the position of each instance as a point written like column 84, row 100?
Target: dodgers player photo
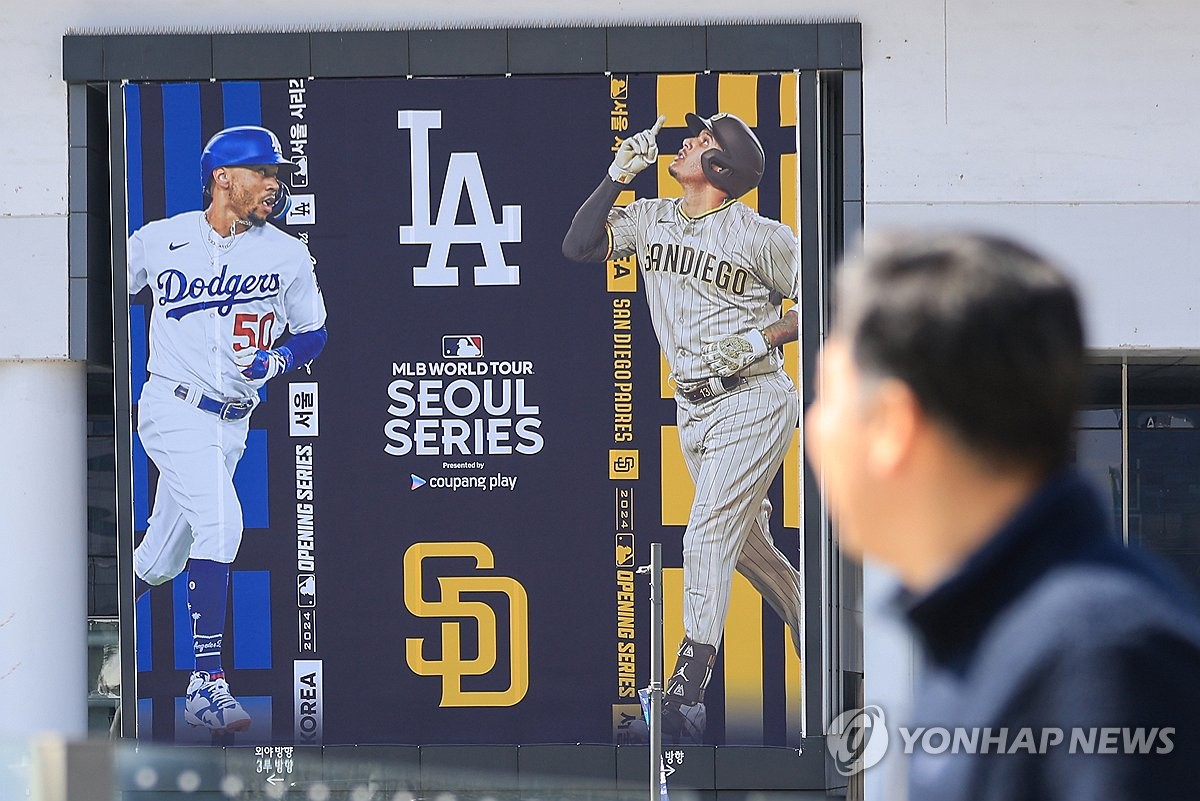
column 226, row 284
column 715, row 275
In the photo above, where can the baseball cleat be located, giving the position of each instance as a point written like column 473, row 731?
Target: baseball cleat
column 209, row 704
column 684, row 725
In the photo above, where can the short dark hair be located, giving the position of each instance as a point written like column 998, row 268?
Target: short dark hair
column 985, row 332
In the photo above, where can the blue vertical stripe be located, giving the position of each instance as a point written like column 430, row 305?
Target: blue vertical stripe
column 181, row 146
column 185, row 654
column 138, row 351
column 141, row 485
column 250, row 480
column 252, row 619
column 242, row 103
column 145, row 719
column 144, row 632
column 133, row 156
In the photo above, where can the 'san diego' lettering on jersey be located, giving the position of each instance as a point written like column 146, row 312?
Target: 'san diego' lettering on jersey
column 699, row 264
column 223, row 291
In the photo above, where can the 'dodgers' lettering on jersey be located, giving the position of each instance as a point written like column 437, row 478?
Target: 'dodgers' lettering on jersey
column 221, row 292
column 699, row 264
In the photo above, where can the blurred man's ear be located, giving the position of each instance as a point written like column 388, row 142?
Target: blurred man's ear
column 895, row 419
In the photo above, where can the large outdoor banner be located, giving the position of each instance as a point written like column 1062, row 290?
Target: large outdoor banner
column 433, row 529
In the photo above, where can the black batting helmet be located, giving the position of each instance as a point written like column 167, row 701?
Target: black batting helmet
column 738, row 166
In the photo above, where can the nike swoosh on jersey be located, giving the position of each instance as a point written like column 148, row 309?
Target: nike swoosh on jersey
column 173, row 246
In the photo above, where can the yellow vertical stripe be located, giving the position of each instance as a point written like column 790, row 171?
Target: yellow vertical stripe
column 791, row 483
column 667, row 186
column 788, row 203
column 622, row 273
column 676, row 97
column 738, row 95
column 751, row 198
column 677, row 487
column 789, row 99
column 792, row 690
column 791, row 352
column 672, row 617
column 743, row 656
column 665, row 388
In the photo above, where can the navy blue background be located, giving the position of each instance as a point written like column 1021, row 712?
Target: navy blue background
column 543, row 144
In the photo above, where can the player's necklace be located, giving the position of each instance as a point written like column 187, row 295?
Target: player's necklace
column 221, row 243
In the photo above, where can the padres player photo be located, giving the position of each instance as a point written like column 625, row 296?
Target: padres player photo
column 715, row 274
column 226, row 284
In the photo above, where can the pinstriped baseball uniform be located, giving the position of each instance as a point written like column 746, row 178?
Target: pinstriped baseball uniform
column 722, row 273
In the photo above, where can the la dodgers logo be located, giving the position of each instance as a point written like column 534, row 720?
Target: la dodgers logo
column 464, row 173
column 221, row 292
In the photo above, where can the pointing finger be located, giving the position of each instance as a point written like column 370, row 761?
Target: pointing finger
column 654, row 129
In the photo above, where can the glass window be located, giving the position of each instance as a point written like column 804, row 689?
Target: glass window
column 1162, row 457
column 102, row 510
column 1164, row 463
column 1098, row 437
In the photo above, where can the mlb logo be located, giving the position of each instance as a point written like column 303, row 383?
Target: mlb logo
column 462, row 346
column 306, row 591
column 624, row 550
column 303, row 210
column 619, row 87
column 299, row 177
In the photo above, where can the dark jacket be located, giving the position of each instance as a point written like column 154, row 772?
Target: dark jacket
column 1055, row 626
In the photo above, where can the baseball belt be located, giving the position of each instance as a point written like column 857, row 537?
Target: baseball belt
column 226, row 410
column 711, row 388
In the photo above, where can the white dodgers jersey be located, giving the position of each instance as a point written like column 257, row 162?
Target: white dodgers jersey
column 214, row 297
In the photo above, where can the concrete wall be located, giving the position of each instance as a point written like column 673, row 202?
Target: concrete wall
column 1067, row 123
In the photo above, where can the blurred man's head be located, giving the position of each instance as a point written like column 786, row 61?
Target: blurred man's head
column 953, row 357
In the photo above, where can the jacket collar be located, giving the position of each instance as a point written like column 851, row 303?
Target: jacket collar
column 1062, row 521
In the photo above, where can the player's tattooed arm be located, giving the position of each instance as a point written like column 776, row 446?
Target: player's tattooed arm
column 587, row 238
column 784, row 330
column 729, row 356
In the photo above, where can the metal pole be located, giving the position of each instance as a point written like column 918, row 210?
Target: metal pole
column 656, row 670
column 1125, row 449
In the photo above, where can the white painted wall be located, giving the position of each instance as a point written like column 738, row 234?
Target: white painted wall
column 43, row 526
column 1065, row 123
column 1068, row 123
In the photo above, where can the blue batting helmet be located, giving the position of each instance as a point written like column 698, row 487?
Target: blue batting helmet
column 244, row 146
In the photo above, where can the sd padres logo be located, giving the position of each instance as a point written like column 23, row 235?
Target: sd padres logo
column 452, row 666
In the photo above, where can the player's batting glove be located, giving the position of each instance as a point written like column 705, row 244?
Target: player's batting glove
column 265, row 364
column 734, row 353
column 636, row 154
